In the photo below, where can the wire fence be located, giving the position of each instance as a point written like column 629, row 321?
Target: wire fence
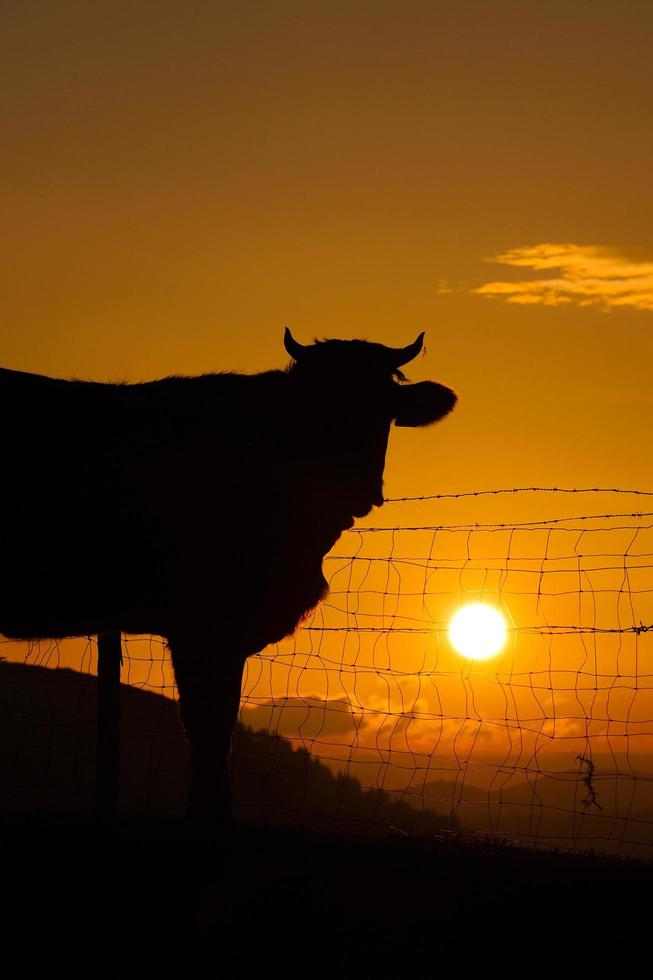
column 370, row 715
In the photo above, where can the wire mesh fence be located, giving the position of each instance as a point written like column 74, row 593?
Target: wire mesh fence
column 370, row 715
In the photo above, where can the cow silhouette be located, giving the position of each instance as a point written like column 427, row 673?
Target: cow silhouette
column 199, row 509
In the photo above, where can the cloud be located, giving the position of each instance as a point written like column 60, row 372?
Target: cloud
column 308, row 717
column 588, row 275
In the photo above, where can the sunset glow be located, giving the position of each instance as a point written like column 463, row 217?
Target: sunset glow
column 182, row 182
column 477, row 631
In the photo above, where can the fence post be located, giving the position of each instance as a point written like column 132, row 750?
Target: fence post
column 108, row 722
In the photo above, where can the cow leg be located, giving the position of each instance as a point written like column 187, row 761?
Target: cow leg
column 209, row 693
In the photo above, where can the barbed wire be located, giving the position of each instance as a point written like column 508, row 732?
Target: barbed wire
column 522, row 525
column 516, row 490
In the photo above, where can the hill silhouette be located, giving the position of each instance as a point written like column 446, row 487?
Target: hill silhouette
column 47, row 762
column 136, row 902
column 555, row 808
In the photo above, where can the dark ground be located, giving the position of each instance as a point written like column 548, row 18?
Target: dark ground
column 139, row 900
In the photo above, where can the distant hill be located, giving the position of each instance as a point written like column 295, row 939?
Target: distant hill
column 555, row 809
column 47, row 761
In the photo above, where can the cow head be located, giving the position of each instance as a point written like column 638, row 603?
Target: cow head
column 351, row 392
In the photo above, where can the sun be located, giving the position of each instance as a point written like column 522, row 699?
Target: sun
column 477, row 630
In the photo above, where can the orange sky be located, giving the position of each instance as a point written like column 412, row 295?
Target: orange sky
column 180, row 181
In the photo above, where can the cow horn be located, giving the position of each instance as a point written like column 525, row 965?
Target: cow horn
column 402, row 355
column 295, row 349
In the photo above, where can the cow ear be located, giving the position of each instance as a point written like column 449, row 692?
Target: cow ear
column 423, row 403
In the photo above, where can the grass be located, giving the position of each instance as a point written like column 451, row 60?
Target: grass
column 143, row 899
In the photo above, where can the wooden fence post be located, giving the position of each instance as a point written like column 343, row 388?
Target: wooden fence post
column 108, row 722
